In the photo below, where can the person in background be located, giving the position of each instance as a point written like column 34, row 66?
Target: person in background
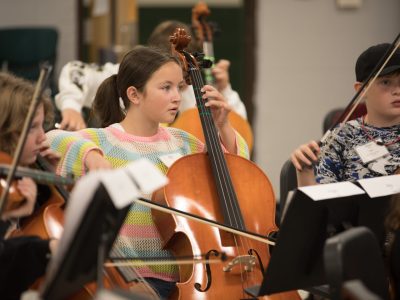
column 79, row 81
column 365, row 147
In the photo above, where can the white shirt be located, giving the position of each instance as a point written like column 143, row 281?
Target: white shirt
column 79, row 82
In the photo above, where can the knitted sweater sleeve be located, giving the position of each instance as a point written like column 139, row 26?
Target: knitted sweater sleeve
column 73, row 148
column 241, row 146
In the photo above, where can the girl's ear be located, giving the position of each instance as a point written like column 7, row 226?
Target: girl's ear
column 133, row 94
column 357, row 86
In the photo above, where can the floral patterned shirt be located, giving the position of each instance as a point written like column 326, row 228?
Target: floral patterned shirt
column 340, row 161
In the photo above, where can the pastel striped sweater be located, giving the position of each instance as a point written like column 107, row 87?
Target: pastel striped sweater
column 138, row 236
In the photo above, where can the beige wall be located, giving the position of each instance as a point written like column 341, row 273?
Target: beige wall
column 306, row 54
column 58, row 13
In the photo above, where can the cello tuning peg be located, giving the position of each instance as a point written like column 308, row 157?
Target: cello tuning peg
column 198, row 55
column 204, row 63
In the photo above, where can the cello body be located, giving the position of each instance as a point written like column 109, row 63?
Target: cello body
column 189, row 121
column 190, row 190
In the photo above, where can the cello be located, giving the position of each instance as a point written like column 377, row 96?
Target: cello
column 225, row 188
column 189, row 120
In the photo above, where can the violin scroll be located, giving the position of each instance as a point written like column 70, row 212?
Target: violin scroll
column 202, row 29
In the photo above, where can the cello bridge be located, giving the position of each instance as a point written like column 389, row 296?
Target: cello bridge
column 246, row 261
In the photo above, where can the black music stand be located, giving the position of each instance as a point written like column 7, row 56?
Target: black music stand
column 297, row 259
column 93, row 232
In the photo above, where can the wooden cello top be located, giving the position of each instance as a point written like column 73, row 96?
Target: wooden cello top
column 189, row 121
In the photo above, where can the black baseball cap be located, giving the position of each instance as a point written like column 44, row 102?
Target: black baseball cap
column 367, row 61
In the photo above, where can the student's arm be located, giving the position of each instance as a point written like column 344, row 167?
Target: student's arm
column 221, row 74
column 70, row 99
column 303, row 159
column 234, row 101
column 75, row 148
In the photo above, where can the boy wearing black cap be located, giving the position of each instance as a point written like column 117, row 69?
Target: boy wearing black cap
column 368, row 146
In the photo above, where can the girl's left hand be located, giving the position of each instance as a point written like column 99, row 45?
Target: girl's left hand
column 218, row 105
column 27, row 187
column 52, row 157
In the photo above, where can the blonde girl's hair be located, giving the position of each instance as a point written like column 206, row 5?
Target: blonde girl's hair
column 15, row 98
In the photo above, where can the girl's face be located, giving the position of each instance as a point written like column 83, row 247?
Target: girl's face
column 36, row 137
column 160, row 100
column 383, row 98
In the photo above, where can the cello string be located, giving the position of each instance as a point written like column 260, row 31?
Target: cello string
column 229, row 195
column 187, row 59
column 218, row 156
column 215, row 149
column 209, row 131
column 211, row 145
column 216, row 153
column 221, row 165
column 232, row 198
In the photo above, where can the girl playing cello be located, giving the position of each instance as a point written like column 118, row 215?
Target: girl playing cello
column 148, row 84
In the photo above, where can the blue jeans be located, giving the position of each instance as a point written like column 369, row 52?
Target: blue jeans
column 162, row 287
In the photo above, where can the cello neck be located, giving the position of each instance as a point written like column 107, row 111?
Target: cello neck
column 222, row 179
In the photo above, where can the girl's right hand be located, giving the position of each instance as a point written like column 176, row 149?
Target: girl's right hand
column 305, row 155
column 95, row 161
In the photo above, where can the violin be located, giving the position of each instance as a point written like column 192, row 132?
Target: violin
column 50, row 224
column 45, row 177
column 224, row 188
column 48, row 221
column 189, row 119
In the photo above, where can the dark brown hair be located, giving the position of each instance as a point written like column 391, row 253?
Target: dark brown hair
column 137, row 66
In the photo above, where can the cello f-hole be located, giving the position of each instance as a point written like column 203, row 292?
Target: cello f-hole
column 197, row 285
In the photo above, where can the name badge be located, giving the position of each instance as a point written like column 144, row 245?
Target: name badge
column 371, row 151
column 169, row 159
